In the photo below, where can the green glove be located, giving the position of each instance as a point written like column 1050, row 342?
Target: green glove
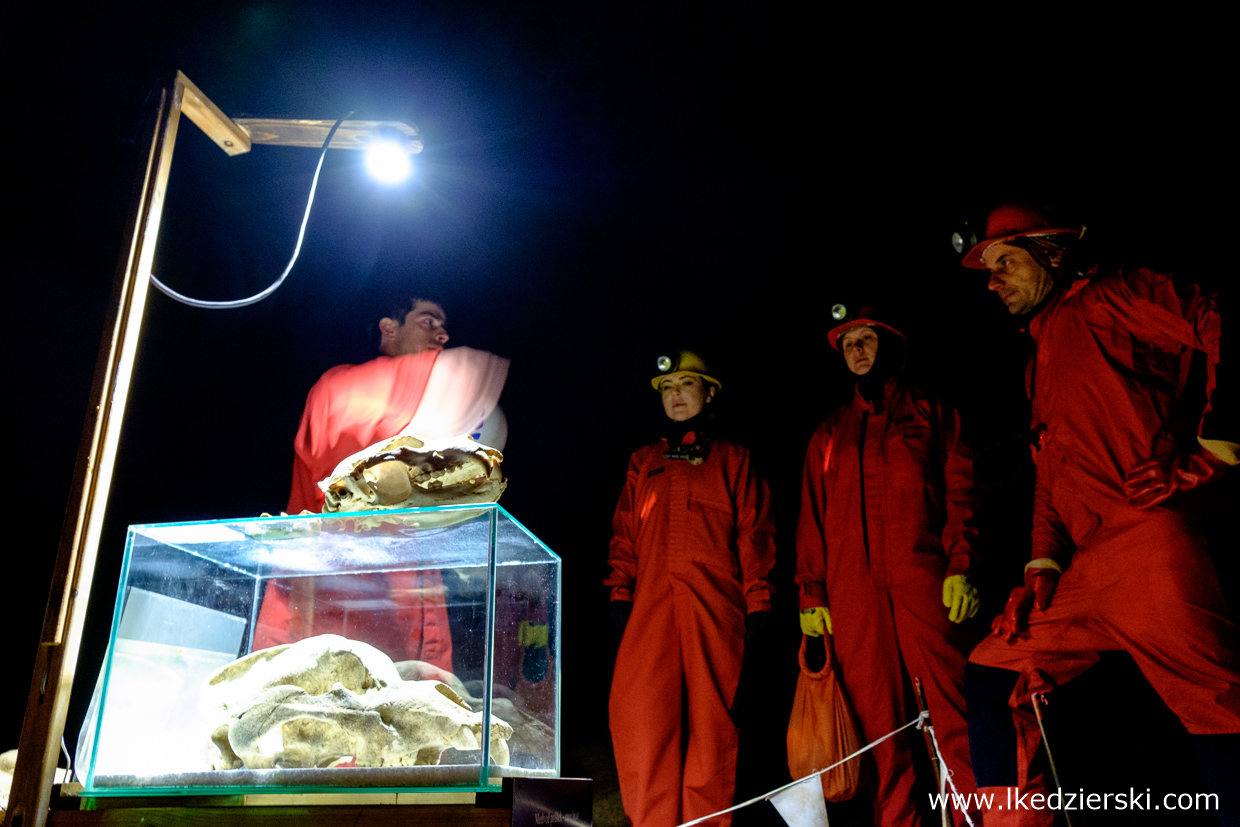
column 815, row 620
column 532, row 634
column 960, row 596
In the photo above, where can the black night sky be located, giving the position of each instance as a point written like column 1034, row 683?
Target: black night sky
column 600, row 183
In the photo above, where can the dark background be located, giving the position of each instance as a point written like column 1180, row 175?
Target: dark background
column 600, row 183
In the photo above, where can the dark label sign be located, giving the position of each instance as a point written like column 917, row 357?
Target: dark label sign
column 559, row 801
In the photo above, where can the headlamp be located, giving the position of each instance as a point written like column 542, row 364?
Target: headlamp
column 965, row 240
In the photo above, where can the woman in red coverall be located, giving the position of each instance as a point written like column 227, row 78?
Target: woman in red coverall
column 885, row 540
column 690, row 568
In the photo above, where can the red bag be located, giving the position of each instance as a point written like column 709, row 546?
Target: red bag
column 822, row 729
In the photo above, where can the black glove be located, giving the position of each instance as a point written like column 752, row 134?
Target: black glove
column 534, row 664
column 535, row 638
column 749, row 688
column 755, row 625
column 619, row 610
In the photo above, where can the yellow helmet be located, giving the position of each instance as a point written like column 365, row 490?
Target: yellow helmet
column 683, row 361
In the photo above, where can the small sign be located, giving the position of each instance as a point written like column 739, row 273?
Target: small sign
column 565, row 802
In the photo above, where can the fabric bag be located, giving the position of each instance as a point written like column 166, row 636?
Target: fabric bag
column 822, row 729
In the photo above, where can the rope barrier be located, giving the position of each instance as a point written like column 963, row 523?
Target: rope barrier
column 917, row 722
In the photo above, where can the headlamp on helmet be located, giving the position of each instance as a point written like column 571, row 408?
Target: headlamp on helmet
column 964, row 238
column 683, row 361
column 865, row 317
column 1010, row 221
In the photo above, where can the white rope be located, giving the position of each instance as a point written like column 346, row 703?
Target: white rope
column 915, row 722
column 947, row 773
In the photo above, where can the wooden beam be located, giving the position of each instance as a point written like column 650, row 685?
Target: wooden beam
column 227, row 135
column 56, row 659
column 307, row 133
column 47, row 703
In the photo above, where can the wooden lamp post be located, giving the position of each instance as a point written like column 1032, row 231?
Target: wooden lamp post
column 61, row 636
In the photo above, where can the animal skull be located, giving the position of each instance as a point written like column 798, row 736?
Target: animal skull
column 326, row 699
column 407, row 472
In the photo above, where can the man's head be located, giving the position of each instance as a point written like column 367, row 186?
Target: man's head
column 860, row 347
column 421, row 328
column 1024, row 250
column 1020, row 281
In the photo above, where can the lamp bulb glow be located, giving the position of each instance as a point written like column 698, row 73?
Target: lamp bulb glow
column 388, row 161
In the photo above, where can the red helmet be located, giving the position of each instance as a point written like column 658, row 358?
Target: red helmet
column 1009, row 221
column 865, row 317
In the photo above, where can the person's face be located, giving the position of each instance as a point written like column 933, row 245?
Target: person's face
column 860, row 347
column 1016, row 276
column 422, row 329
column 684, row 395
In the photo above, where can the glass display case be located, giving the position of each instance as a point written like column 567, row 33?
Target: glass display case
column 345, row 652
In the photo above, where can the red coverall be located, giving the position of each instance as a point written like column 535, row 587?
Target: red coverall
column 403, row 614
column 886, row 515
column 693, row 550
column 1110, row 368
column 352, row 407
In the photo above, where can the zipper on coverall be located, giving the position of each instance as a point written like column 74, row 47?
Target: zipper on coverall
column 865, row 529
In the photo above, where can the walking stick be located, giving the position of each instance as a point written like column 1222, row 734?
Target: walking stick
column 934, row 756
column 1039, row 700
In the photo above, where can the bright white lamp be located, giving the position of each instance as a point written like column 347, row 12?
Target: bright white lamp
column 387, row 156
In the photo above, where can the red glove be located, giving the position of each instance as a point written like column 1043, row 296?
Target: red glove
column 1037, row 592
column 1153, row 481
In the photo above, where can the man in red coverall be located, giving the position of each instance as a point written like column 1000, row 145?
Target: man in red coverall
column 690, row 575
column 351, row 408
column 1118, row 562
column 886, row 541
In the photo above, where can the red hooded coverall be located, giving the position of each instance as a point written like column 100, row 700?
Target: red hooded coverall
column 693, row 550
column 403, row 613
column 886, row 515
column 1112, row 360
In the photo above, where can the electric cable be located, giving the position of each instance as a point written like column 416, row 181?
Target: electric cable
column 301, row 234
